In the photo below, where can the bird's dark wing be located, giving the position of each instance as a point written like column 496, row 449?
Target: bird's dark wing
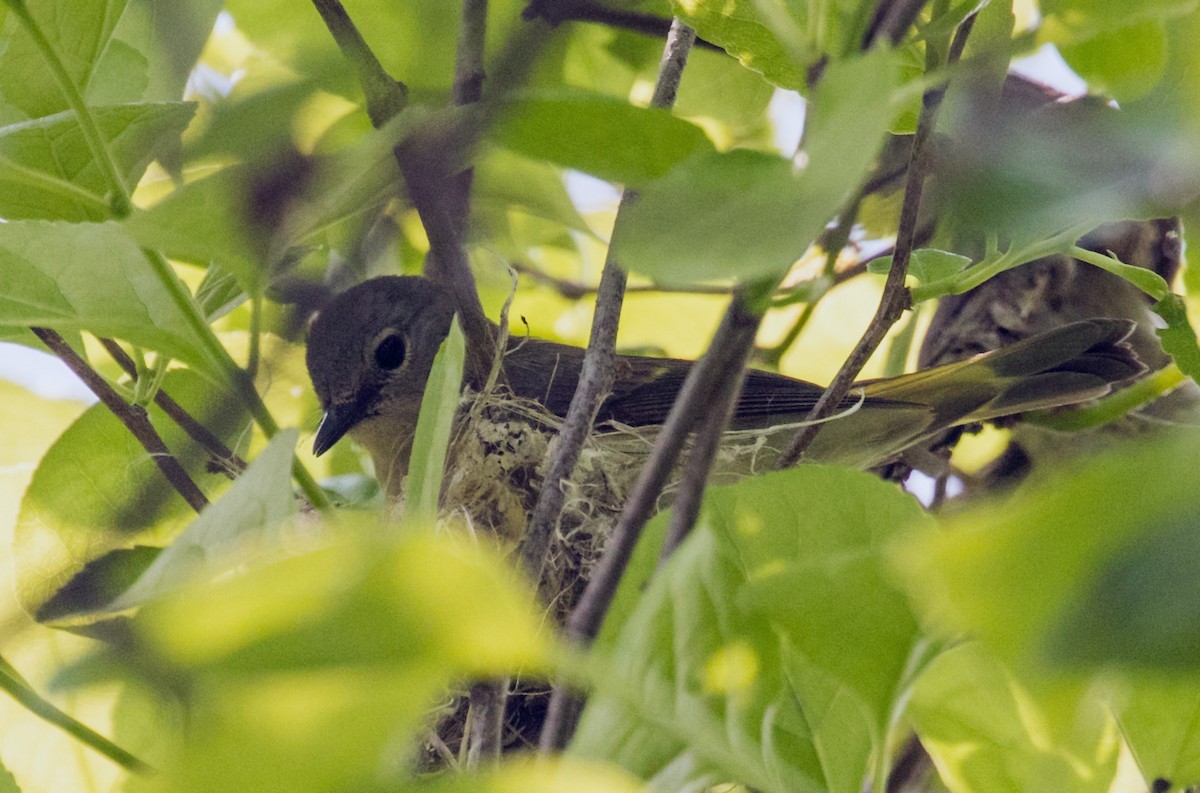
column 646, row 388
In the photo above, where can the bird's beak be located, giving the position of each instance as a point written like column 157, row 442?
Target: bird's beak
column 337, row 422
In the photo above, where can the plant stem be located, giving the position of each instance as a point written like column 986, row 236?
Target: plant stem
column 194, row 429
column 122, row 206
column 132, row 416
column 599, row 362
column 895, row 300
column 385, row 96
column 19, row 689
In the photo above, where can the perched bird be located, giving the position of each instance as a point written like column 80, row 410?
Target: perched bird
column 370, row 352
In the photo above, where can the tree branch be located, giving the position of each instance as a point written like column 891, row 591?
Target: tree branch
column 385, row 96
column 558, row 11
column 132, row 416
column 230, row 462
column 596, row 378
column 726, row 353
column 895, row 300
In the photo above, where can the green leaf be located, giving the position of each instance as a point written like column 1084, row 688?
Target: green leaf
column 47, row 170
column 989, row 731
column 738, row 28
column 311, row 670
column 80, row 33
column 1069, row 21
column 599, row 135
column 1178, row 338
column 97, row 490
column 207, row 221
column 1083, row 570
column 1124, row 63
column 927, row 265
column 770, row 650
column 743, row 214
column 242, row 528
column 504, row 180
column 7, row 783
column 439, row 404
column 91, row 277
column 1160, row 721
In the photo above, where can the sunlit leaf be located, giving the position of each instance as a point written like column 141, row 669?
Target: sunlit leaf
column 778, row 582
column 990, row 732
column 97, row 490
column 432, row 436
column 242, row 528
column 44, row 162
column 1160, row 721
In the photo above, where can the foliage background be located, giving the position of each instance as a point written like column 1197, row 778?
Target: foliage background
column 791, row 644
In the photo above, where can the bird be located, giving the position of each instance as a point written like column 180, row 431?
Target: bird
column 370, row 351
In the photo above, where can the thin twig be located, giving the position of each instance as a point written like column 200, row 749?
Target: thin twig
column 596, row 377
column 385, row 96
column 685, row 507
column 595, row 382
column 424, row 174
column 891, row 22
column 558, row 11
column 727, row 351
column 486, row 722
column 895, row 300
column 230, row 462
column 132, row 416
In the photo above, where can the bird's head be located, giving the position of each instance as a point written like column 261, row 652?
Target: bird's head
column 369, row 355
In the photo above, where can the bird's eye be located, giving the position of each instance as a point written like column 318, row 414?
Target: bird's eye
column 389, row 352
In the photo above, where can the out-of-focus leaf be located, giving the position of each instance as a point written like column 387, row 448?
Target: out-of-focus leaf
column 504, row 180
column 599, row 135
column 7, row 783
column 316, row 667
column 91, row 277
column 770, row 651
column 743, row 214
column 44, row 163
column 97, row 490
column 241, row 528
column 1068, row 21
column 1125, row 63
column 1160, row 720
column 990, row 732
column 1084, row 569
column 99, row 582
column 1027, row 176
column 558, row 775
column 410, row 40
column 207, row 221
column 1178, row 337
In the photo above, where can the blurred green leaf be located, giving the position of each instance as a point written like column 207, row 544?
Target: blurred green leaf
column 91, row 277
column 742, row 214
column 81, row 35
column 1178, row 337
column 318, row 670
column 611, row 139
column 1082, row 570
column 770, row 650
column 206, row 221
column 990, row 732
column 1124, row 63
column 1160, row 721
column 242, row 528
column 739, row 28
column 7, row 783
column 1068, row 21
column 927, row 265
column 504, row 180
column 97, row 490
column 439, row 404
column 47, row 170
